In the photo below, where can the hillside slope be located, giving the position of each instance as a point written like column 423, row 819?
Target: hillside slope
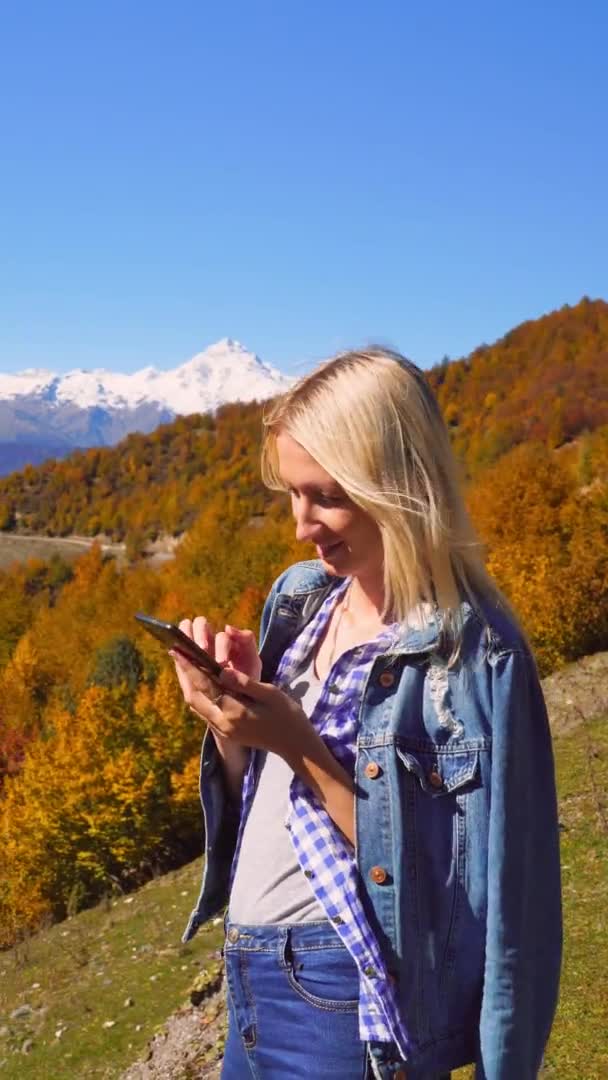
column 87, row 999
column 545, row 381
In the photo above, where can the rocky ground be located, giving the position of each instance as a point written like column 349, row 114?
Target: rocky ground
column 191, row 1043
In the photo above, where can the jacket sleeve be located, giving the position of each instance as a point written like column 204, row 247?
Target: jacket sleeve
column 524, row 928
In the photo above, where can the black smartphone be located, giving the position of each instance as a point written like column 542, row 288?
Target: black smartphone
column 173, row 638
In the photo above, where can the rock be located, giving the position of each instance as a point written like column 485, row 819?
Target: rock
column 21, row 1012
column 108, row 1023
column 28, row 1046
column 208, row 982
column 128, row 1002
column 4, row 1031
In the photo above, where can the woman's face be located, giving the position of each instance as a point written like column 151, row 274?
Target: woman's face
column 347, row 539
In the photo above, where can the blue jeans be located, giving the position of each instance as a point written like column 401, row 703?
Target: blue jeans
column 293, row 995
column 293, row 998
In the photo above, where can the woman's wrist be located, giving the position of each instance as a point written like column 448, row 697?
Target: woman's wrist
column 234, row 759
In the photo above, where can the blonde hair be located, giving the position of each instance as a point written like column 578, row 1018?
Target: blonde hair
column 371, row 421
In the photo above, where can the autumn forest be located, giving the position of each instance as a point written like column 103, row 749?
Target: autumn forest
column 98, row 755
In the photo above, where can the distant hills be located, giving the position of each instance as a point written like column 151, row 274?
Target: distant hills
column 46, row 415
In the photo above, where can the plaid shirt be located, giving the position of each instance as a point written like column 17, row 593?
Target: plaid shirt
column 325, row 855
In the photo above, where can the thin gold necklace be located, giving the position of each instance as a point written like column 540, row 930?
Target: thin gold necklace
column 344, row 607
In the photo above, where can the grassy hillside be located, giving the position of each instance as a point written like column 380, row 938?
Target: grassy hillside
column 76, row 977
column 95, row 988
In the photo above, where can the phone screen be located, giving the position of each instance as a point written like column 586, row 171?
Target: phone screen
column 173, row 638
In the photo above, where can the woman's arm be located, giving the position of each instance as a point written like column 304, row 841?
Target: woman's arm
column 317, row 767
column 523, row 934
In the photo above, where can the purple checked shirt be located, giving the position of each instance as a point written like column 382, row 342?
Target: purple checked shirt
column 325, row 855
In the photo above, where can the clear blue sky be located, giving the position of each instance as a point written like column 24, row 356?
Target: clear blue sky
column 300, row 176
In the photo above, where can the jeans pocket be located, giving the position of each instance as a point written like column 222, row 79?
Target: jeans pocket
column 327, row 978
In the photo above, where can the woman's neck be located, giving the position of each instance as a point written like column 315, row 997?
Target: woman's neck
column 366, row 600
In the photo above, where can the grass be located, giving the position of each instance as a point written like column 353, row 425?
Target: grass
column 77, row 975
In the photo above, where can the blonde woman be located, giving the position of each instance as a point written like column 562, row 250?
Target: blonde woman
column 377, row 784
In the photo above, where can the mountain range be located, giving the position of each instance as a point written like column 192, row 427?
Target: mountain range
column 43, row 414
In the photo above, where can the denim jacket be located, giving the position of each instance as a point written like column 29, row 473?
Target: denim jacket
column 459, row 808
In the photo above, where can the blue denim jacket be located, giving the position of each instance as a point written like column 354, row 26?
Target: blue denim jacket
column 461, row 813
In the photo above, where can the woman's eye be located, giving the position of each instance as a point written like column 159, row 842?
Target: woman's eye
column 321, row 498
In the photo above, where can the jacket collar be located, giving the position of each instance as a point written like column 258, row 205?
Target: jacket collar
column 306, row 595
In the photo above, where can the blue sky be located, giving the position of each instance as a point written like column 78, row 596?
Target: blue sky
column 301, row 177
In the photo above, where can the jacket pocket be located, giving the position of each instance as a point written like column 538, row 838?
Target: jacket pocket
column 441, row 772
column 439, row 787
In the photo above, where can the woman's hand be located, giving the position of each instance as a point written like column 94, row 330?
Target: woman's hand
column 235, row 648
column 243, row 711
column 250, row 713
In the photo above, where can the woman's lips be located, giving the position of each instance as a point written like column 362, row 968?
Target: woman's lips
column 328, row 549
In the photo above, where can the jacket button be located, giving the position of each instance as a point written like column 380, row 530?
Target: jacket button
column 386, row 678
column 372, row 770
column 378, row 874
column 435, row 779
column 233, row 935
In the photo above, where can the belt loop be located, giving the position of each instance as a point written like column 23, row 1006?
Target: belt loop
column 284, row 947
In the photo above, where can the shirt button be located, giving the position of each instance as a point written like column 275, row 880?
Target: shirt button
column 233, row 935
column 386, row 678
column 378, row 874
column 372, row 770
column 370, row 972
column 435, row 779
column 309, row 873
column 338, row 920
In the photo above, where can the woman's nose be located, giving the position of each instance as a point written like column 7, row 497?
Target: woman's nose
column 307, row 528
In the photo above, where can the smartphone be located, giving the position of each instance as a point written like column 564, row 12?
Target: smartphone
column 173, row 638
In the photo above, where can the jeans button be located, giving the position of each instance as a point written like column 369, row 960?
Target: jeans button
column 233, row 935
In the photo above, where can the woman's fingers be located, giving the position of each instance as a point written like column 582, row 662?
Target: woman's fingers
column 223, row 647
column 193, row 682
column 241, row 683
column 203, row 634
column 243, row 651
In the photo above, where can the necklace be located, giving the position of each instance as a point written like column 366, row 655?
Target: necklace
column 344, row 607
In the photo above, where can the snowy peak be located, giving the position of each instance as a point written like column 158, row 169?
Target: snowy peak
column 46, row 414
column 225, row 371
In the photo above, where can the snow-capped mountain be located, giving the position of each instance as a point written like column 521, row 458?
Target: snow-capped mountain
column 43, row 414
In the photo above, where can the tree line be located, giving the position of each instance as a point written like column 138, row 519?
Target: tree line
column 99, row 759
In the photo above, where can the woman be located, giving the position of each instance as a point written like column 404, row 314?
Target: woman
column 377, row 784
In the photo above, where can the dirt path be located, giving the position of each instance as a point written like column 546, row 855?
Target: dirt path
column 17, row 547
